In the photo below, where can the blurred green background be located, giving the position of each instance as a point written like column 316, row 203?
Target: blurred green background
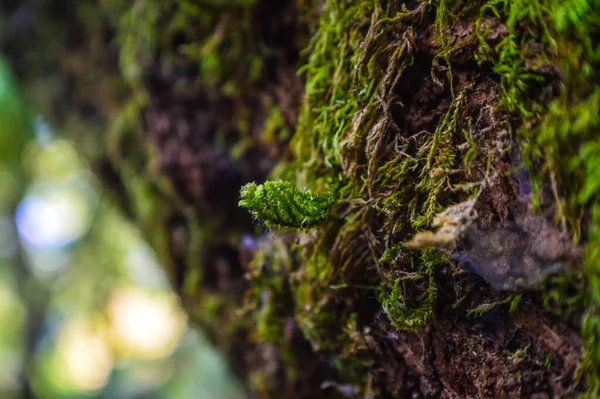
column 85, row 310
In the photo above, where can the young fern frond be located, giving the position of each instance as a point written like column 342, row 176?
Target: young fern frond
column 281, row 204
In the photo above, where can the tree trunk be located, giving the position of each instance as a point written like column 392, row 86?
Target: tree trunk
column 455, row 142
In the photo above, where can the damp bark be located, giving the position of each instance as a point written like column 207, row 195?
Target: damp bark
column 450, row 146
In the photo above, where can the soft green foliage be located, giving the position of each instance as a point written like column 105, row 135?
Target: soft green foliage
column 281, row 204
column 16, row 127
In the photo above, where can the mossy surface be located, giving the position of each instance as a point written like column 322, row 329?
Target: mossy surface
column 390, row 177
column 404, row 117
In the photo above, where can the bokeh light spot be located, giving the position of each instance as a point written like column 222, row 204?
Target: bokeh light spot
column 145, row 325
column 52, row 220
column 86, row 356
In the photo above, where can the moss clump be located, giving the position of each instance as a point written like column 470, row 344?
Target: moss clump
column 390, row 183
column 281, row 204
column 402, row 314
column 412, row 298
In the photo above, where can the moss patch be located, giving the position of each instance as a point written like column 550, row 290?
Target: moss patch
column 413, row 114
column 492, row 76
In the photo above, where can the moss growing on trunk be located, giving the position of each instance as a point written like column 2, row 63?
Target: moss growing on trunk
column 474, row 119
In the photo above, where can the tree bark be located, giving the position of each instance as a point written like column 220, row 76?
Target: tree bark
column 450, row 263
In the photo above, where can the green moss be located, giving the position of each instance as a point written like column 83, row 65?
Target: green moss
column 318, row 318
column 562, row 133
column 411, row 301
column 275, row 129
column 349, row 73
column 267, row 296
column 404, row 315
column 591, row 321
column 440, row 158
column 346, row 144
column 387, row 185
column 514, row 303
column 564, row 294
column 332, row 96
column 480, row 310
column 281, row 204
column 343, row 145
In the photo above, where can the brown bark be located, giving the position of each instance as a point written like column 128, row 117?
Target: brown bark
column 193, row 182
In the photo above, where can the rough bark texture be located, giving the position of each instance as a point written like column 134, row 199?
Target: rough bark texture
column 476, row 119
